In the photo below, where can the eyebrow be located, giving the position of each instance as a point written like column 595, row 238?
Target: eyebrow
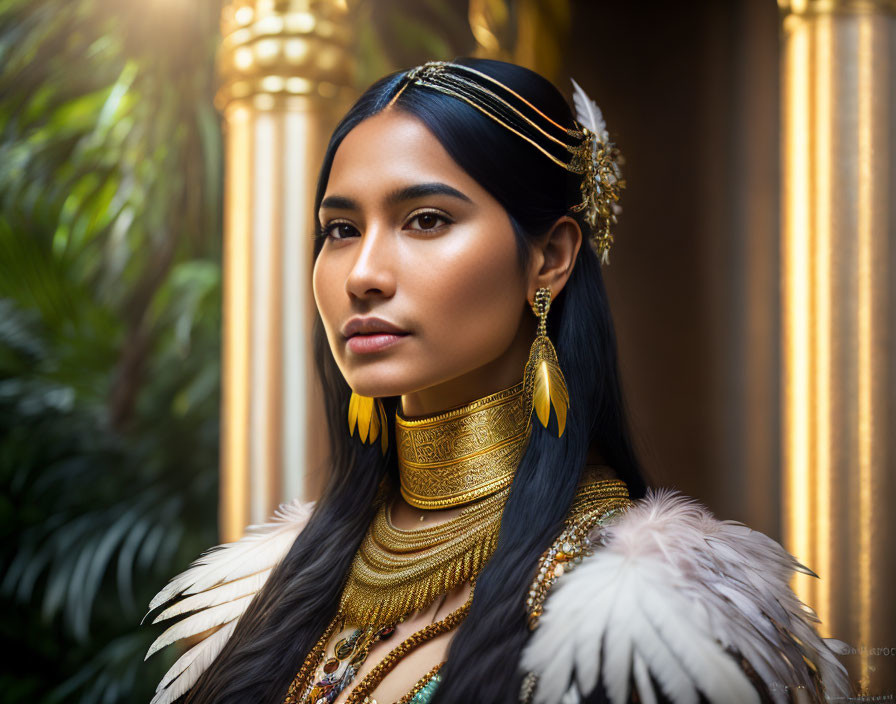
column 418, row 190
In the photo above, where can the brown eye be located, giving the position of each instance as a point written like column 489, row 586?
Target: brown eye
column 429, row 221
column 337, row 230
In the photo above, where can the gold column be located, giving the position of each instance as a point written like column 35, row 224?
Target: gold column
column 285, row 69
column 839, row 381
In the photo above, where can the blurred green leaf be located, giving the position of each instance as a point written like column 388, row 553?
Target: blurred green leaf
column 109, row 333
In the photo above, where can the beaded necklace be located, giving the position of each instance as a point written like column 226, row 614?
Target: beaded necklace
column 353, row 650
column 596, row 498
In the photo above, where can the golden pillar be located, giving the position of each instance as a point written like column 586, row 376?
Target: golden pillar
column 285, row 70
column 839, row 329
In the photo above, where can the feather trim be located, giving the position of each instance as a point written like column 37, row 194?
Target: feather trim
column 200, row 622
column 217, row 588
column 672, row 593
column 220, row 595
column 186, row 670
column 241, row 558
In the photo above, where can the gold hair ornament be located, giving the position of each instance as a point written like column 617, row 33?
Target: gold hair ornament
column 603, row 183
column 588, row 148
column 369, row 415
column 543, row 379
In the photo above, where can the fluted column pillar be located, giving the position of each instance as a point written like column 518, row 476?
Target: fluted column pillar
column 839, row 328
column 285, row 70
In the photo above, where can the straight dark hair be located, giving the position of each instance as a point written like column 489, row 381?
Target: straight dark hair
column 289, row 614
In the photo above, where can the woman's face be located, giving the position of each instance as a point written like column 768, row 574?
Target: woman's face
column 414, row 241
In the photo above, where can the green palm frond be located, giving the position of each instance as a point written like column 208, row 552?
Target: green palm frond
column 110, row 169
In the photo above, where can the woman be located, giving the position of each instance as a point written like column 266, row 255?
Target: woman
column 464, row 213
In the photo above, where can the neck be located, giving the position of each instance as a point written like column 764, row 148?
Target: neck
column 463, row 454
column 501, row 373
column 459, row 391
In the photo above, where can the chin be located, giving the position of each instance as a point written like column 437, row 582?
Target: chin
column 378, row 382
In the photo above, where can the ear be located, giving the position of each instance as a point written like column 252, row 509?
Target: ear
column 555, row 256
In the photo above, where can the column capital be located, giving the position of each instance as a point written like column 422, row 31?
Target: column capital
column 271, row 51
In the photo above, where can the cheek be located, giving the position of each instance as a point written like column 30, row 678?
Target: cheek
column 472, row 306
column 324, row 294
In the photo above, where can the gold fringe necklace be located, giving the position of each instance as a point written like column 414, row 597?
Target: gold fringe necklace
column 463, row 457
column 396, row 572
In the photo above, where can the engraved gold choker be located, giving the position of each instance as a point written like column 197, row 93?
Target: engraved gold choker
column 465, row 453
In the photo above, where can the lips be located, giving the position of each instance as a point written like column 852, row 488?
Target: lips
column 371, row 334
column 371, row 326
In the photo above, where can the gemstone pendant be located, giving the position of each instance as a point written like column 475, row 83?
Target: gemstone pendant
column 345, row 646
column 385, row 633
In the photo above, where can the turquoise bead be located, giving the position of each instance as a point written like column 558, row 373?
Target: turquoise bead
column 425, row 694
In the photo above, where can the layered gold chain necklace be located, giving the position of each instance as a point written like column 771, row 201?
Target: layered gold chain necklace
column 463, row 457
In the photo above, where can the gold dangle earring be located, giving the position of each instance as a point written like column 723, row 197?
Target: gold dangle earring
column 370, row 420
column 544, row 382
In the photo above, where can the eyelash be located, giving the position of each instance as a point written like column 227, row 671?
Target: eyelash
column 326, row 230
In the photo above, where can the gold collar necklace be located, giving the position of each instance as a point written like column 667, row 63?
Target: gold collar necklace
column 466, row 456
column 465, row 453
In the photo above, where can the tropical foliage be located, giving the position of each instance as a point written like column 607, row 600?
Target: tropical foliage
column 110, row 168
column 110, row 230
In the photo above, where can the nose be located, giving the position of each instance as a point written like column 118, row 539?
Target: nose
column 372, row 273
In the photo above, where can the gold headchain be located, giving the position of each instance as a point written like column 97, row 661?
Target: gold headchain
column 588, row 148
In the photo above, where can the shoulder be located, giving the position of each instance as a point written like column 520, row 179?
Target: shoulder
column 667, row 602
column 216, row 590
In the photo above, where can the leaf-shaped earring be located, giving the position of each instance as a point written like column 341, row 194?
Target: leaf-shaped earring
column 370, row 418
column 544, row 382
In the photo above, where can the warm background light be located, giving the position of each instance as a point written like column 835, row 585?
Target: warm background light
column 839, row 162
column 750, row 290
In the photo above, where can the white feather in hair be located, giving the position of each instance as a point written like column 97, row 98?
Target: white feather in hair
column 217, row 589
column 668, row 595
column 587, row 112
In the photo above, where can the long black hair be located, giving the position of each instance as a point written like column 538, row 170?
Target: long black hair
column 289, row 614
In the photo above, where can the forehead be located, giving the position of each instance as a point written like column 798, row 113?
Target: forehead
column 390, row 148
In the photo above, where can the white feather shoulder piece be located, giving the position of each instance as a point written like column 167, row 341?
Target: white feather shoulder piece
column 216, row 590
column 674, row 604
